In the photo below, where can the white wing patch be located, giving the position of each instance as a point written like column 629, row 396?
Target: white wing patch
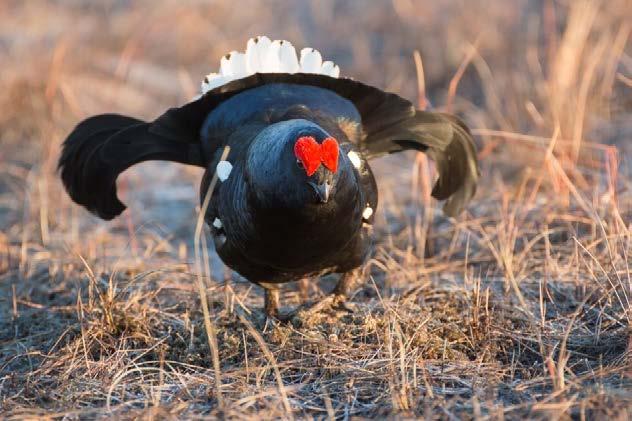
column 265, row 56
column 367, row 212
column 355, row 159
column 217, row 223
column 223, row 170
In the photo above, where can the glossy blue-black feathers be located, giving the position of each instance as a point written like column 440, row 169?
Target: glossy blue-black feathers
column 102, row 147
column 271, row 230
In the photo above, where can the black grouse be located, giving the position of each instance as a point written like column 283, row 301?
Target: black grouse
column 296, row 195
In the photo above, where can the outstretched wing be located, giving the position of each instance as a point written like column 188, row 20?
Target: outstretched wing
column 102, row 147
column 447, row 141
column 390, row 124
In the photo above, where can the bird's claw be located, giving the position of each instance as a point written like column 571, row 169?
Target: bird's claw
column 332, row 303
column 346, row 307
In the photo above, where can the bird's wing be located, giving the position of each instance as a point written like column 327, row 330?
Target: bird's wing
column 447, row 141
column 102, row 147
column 390, row 124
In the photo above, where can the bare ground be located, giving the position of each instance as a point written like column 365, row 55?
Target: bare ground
column 518, row 308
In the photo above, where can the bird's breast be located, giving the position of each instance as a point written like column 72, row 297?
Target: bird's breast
column 305, row 239
column 309, row 237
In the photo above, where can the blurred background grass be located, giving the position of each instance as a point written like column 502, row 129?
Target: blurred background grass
column 521, row 308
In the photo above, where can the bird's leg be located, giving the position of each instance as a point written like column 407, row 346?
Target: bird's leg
column 272, row 302
column 345, row 284
column 340, row 294
column 336, row 300
column 303, row 289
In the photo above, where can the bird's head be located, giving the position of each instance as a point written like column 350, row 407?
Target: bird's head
column 296, row 163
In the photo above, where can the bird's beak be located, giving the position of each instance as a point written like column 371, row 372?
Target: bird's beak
column 322, row 190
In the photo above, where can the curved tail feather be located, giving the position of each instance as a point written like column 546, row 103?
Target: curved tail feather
column 102, row 147
column 447, row 141
column 458, row 168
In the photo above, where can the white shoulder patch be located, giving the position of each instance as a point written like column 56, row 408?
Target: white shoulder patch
column 265, row 56
column 217, row 223
column 223, row 170
column 355, row 159
column 367, row 212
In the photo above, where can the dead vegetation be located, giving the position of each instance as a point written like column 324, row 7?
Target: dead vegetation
column 518, row 308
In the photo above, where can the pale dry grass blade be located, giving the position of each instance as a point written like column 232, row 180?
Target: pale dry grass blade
column 209, row 326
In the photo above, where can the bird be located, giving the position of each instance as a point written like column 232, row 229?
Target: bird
column 295, row 197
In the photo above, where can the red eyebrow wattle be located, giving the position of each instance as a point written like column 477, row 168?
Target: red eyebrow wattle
column 329, row 153
column 307, row 150
column 312, row 154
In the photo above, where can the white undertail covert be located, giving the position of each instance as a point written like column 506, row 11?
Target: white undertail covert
column 265, row 56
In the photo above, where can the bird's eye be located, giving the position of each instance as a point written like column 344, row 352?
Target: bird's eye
column 299, row 163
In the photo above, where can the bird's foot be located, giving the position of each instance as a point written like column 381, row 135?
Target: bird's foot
column 262, row 320
column 266, row 320
column 331, row 306
column 335, row 305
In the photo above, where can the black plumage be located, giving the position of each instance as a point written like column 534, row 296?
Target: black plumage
column 269, row 223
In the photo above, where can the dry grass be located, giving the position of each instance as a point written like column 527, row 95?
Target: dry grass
column 520, row 307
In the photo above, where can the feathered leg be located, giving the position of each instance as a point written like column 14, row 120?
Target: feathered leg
column 272, row 302
column 344, row 285
column 303, row 289
column 338, row 297
column 337, row 300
